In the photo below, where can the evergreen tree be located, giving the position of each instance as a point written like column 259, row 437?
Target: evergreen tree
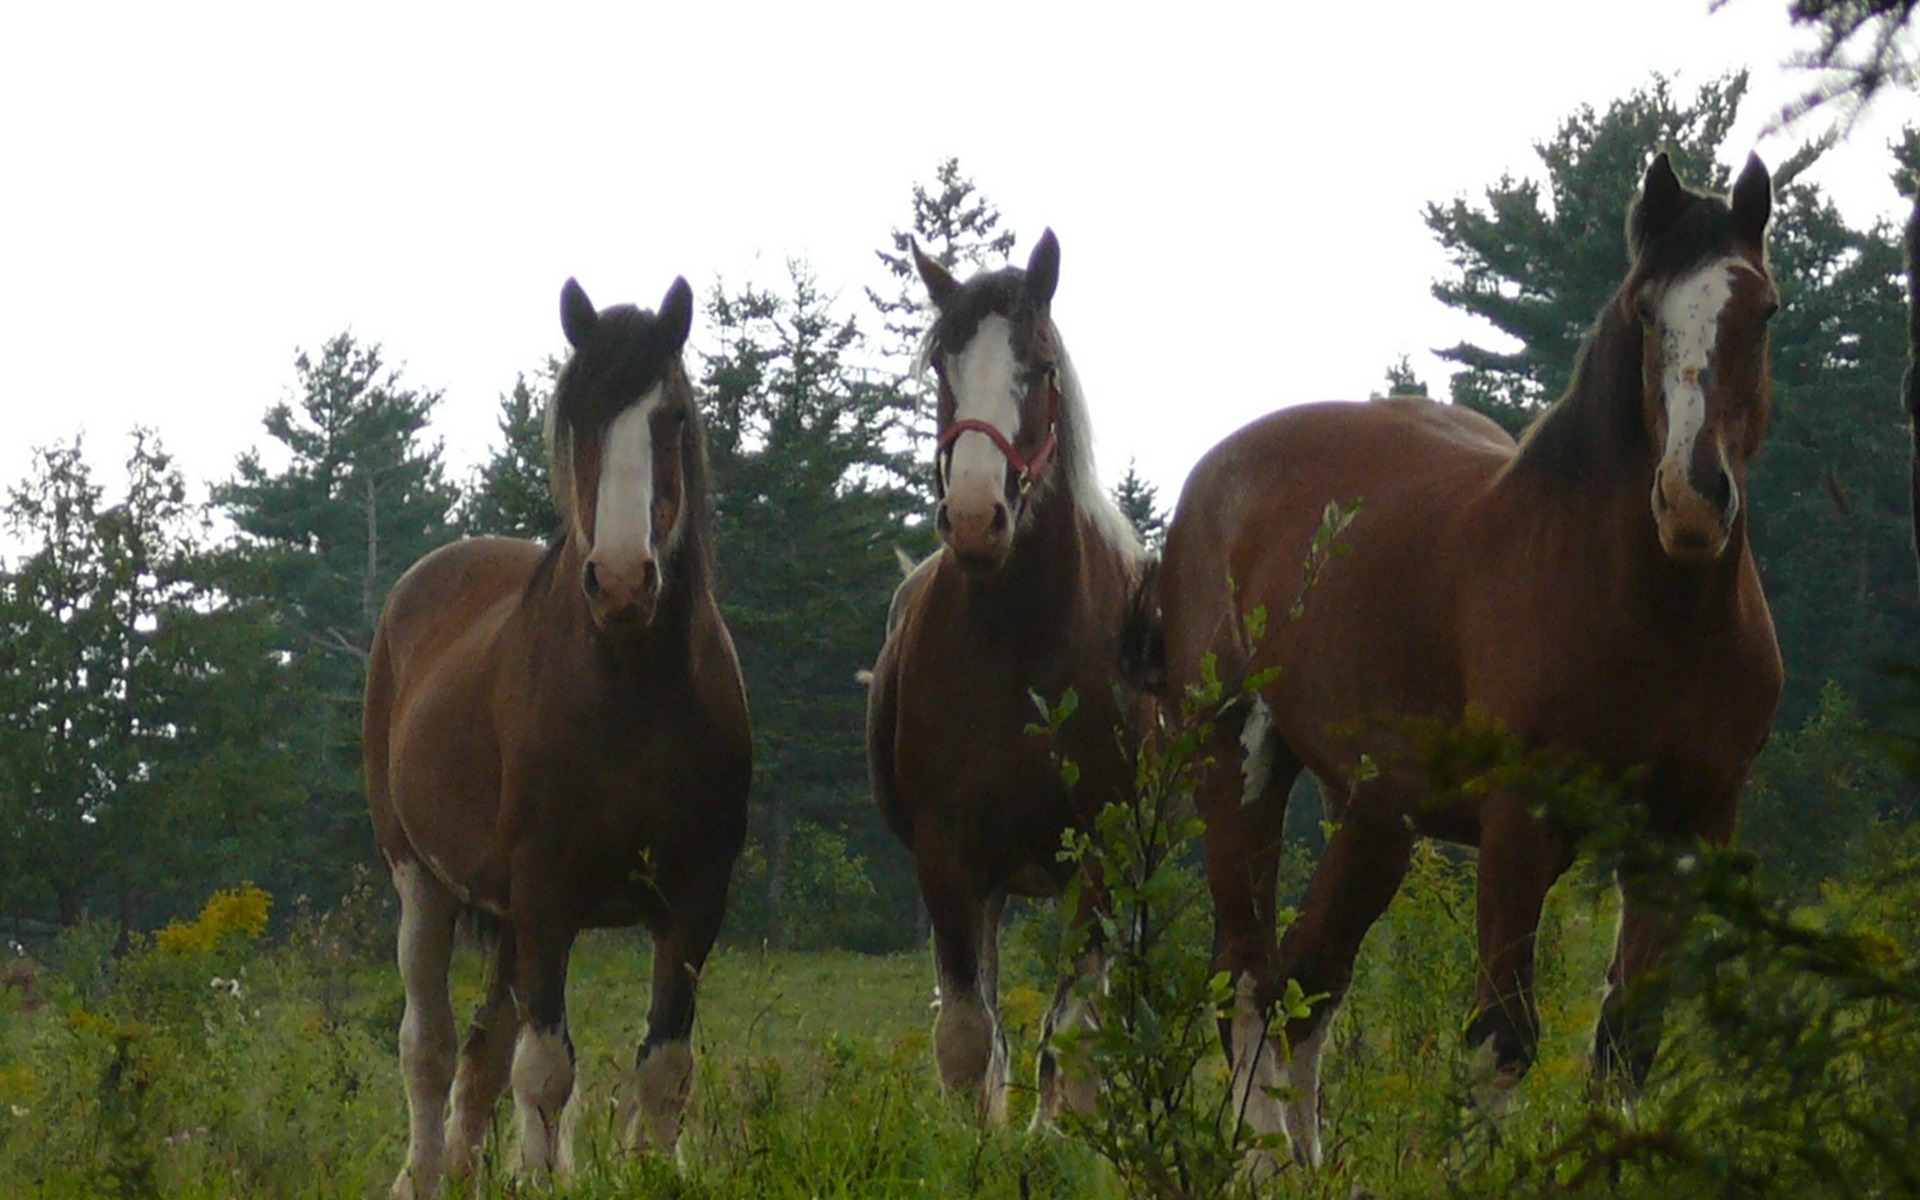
column 138, row 753
column 1140, row 501
column 808, row 504
column 321, row 540
column 1401, row 381
column 512, row 496
column 956, row 226
column 1539, row 266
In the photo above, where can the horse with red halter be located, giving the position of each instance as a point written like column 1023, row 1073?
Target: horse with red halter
column 1590, row 589
column 1024, row 599
column 558, row 737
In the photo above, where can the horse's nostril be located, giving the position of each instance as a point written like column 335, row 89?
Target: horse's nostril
column 999, row 524
column 1720, row 490
column 590, row 580
column 650, row 578
column 941, row 520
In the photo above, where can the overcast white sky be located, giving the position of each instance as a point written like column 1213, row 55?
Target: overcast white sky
column 191, row 192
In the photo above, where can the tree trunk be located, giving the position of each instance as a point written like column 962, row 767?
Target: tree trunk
column 1911, row 385
column 778, row 852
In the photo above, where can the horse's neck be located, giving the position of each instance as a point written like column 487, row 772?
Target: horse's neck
column 1042, row 585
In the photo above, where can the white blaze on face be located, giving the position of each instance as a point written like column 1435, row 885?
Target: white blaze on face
column 985, row 380
column 1689, row 328
column 623, row 507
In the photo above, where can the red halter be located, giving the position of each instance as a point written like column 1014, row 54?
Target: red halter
column 1028, row 470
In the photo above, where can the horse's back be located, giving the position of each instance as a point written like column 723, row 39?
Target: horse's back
column 1409, row 470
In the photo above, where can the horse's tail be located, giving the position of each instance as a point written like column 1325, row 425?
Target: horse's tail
column 1143, row 635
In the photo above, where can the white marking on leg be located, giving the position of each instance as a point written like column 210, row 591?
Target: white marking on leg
column 542, row 1085
column 1068, row 1081
column 476, row 1085
column 1256, row 739
column 1303, row 1093
column 427, row 1038
column 1256, row 1077
column 971, row 1052
column 660, row 1089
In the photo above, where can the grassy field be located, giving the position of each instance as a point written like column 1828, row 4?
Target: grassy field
column 815, row 1076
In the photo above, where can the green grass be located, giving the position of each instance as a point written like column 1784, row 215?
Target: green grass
column 815, row 1075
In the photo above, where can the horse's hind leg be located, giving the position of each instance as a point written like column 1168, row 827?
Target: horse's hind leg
column 1520, row 858
column 427, row 911
column 1067, row 1082
column 1358, row 875
column 543, row 1064
column 967, row 1041
column 484, row 1063
column 663, row 1066
column 1242, row 796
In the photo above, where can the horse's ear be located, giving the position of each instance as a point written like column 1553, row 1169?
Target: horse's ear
column 1753, row 200
column 577, row 315
column 1662, row 201
column 1043, row 271
column 676, row 313
column 941, row 286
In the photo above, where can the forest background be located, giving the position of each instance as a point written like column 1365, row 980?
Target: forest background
column 180, row 677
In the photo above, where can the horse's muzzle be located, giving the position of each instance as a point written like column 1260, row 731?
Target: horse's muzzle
column 980, row 535
column 621, row 597
column 1694, row 520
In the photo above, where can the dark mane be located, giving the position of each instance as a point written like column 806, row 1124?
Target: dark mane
column 1600, row 416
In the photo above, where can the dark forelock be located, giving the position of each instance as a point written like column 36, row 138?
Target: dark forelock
column 988, row 294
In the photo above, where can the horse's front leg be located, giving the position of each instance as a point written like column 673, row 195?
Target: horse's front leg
column 1653, row 914
column 968, row 1043
column 543, row 1062
column 663, row 1067
column 1520, row 858
column 427, row 911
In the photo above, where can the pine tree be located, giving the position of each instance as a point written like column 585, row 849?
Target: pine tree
column 1140, row 501
column 139, row 757
column 361, row 497
column 1539, row 267
column 1401, row 381
column 809, row 501
column 956, row 226
column 511, row 495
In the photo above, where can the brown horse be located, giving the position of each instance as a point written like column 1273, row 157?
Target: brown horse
column 558, row 737
column 1590, row 589
column 1023, row 600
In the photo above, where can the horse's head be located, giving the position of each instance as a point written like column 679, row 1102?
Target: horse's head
column 620, row 430
column 997, row 357
column 1703, row 294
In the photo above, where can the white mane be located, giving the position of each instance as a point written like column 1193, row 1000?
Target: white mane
column 1082, row 479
